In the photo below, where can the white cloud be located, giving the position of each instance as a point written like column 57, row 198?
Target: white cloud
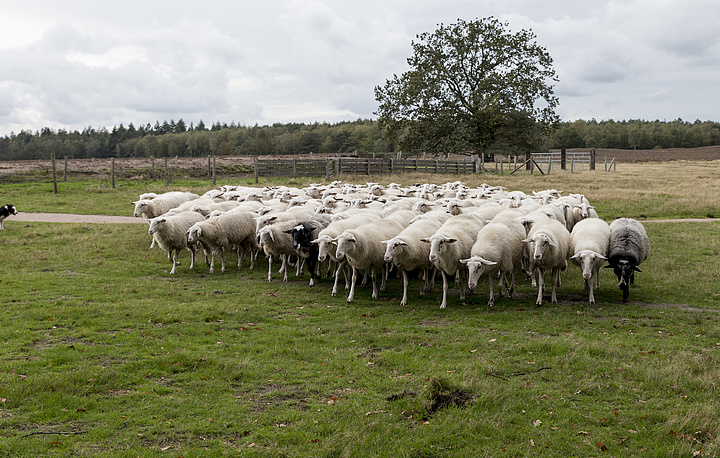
column 73, row 64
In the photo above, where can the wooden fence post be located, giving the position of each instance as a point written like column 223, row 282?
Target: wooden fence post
column 167, row 174
column 152, row 170
column 209, row 170
column 65, row 170
column 368, row 166
column 563, row 159
column 214, row 170
column 112, row 171
column 255, row 166
column 294, row 168
column 52, row 156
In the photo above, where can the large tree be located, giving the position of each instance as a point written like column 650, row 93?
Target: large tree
column 470, row 85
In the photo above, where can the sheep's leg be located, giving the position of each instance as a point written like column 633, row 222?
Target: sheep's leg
column 284, row 268
column 555, row 278
column 222, row 258
column 423, row 282
column 540, row 285
column 212, row 261
column 348, row 274
column 384, row 273
column 591, row 299
column 240, row 255
column 373, row 278
column 405, row 286
column 269, row 268
column 491, row 301
column 443, row 304
column 461, row 279
column 253, row 257
column 338, row 271
column 174, row 260
column 193, row 252
column 351, row 296
column 513, row 277
column 365, row 278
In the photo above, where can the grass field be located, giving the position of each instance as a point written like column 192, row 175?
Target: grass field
column 105, row 353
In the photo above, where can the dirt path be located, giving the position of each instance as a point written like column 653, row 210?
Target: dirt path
column 73, row 218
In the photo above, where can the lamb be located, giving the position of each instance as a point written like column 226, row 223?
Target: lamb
column 451, row 243
column 407, row 252
column 151, row 208
column 589, row 241
column 234, row 228
column 629, row 247
column 5, row 211
column 497, row 249
column 549, row 242
column 169, row 233
column 363, row 250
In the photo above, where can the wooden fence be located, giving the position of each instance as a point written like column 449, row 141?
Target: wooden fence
column 359, row 166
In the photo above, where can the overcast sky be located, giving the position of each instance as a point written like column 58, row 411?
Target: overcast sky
column 77, row 63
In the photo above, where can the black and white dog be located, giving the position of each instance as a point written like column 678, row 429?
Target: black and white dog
column 5, row 211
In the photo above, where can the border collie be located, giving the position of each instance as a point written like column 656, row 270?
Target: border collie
column 5, row 211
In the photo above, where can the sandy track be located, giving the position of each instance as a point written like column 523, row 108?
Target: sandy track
column 73, row 218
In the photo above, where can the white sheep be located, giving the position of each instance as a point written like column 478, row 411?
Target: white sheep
column 363, row 249
column 161, row 204
column 407, row 252
column 589, row 241
column 327, row 249
column 216, row 234
column 275, row 242
column 498, row 249
column 549, row 242
column 169, row 233
column 451, row 243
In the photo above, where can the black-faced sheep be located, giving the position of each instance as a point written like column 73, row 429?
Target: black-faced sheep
column 629, row 247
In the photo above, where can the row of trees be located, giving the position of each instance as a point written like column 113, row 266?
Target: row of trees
column 356, row 137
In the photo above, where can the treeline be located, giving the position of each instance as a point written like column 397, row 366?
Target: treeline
column 361, row 137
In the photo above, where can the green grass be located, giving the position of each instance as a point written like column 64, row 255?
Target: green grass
column 105, row 353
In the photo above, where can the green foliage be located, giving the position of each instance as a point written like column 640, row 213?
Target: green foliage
column 471, row 84
column 636, row 134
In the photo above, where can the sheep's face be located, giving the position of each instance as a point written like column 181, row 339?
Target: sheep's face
column 392, row 248
column 540, row 244
column 476, row 266
column 325, row 247
column 587, row 259
column 438, row 245
column 345, row 244
column 140, row 208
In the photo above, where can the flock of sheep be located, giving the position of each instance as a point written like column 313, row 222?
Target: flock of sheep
column 367, row 230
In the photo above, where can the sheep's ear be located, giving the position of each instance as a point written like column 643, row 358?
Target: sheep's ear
column 609, row 266
column 401, row 242
column 576, row 255
column 272, row 218
column 425, row 240
column 451, row 240
column 288, row 232
column 599, row 256
column 465, row 261
column 636, row 269
column 550, row 242
column 527, row 240
column 384, row 242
